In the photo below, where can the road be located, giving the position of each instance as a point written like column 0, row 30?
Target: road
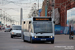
column 61, row 43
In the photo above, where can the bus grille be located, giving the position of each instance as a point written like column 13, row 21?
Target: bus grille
column 43, row 36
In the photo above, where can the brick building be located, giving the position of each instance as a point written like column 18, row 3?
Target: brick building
column 62, row 5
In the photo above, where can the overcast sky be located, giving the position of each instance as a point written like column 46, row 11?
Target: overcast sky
column 15, row 6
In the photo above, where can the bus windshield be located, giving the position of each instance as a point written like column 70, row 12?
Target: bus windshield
column 43, row 27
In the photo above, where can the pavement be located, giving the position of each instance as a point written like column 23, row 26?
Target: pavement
column 62, row 42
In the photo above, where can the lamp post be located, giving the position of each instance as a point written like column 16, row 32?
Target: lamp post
column 0, row 12
column 4, row 18
column 38, row 7
column 21, row 16
column 35, row 9
column 0, row 15
column 53, row 14
column 46, row 7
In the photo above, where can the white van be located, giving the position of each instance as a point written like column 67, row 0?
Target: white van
column 16, row 31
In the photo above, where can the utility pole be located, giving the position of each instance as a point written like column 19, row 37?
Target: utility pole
column 34, row 9
column 53, row 14
column 4, row 17
column 21, row 12
column 0, row 15
column 46, row 7
column 38, row 7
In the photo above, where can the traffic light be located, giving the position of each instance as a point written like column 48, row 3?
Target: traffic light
column 47, row 1
column 53, row 3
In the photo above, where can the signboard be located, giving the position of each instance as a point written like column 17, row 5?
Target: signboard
column 42, row 19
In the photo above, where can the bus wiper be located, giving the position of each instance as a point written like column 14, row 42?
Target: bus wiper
column 46, row 32
column 37, row 32
column 17, row 29
column 40, row 32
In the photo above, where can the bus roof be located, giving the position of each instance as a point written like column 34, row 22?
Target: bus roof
column 29, row 19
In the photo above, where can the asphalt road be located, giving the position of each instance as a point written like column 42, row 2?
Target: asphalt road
column 62, row 42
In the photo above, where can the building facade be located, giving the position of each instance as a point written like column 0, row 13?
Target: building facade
column 61, row 6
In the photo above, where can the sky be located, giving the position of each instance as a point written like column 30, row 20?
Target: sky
column 12, row 7
column 71, row 14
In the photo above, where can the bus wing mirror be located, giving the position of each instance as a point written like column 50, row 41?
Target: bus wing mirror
column 54, row 22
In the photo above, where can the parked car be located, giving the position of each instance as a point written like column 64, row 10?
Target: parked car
column 2, row 28
column 7, row 29
column 16, row 31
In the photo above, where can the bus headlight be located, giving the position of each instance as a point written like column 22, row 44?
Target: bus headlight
column 35, row 37
column 51, row 36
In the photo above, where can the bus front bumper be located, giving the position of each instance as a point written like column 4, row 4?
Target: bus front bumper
column 42, row 39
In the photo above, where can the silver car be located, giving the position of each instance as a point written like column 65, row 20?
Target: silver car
column 7, row 29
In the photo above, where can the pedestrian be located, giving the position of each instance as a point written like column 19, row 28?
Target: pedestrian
column 66, row 30
column 70, row 32
column 72, row 35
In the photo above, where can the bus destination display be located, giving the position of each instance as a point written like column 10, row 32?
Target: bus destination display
column 42, row 19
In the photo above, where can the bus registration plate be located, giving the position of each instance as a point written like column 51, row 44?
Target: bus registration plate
column 43, row 39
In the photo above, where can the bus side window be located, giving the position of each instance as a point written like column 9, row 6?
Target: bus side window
column 24, row 22
column 30, row 28
column 29, row 22
column 25, row 30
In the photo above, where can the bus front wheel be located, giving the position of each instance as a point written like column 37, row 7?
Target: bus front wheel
column 52, row 42
column 31, row 40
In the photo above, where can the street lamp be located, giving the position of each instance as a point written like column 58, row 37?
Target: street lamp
column 46, row 7
column 53, row 14
column 47, row 2
column 38, row 7
column 0, row 12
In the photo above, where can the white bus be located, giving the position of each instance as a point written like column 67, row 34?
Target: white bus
column 38, row 29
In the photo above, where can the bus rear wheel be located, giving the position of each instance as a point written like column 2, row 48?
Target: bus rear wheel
column 23, row 39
